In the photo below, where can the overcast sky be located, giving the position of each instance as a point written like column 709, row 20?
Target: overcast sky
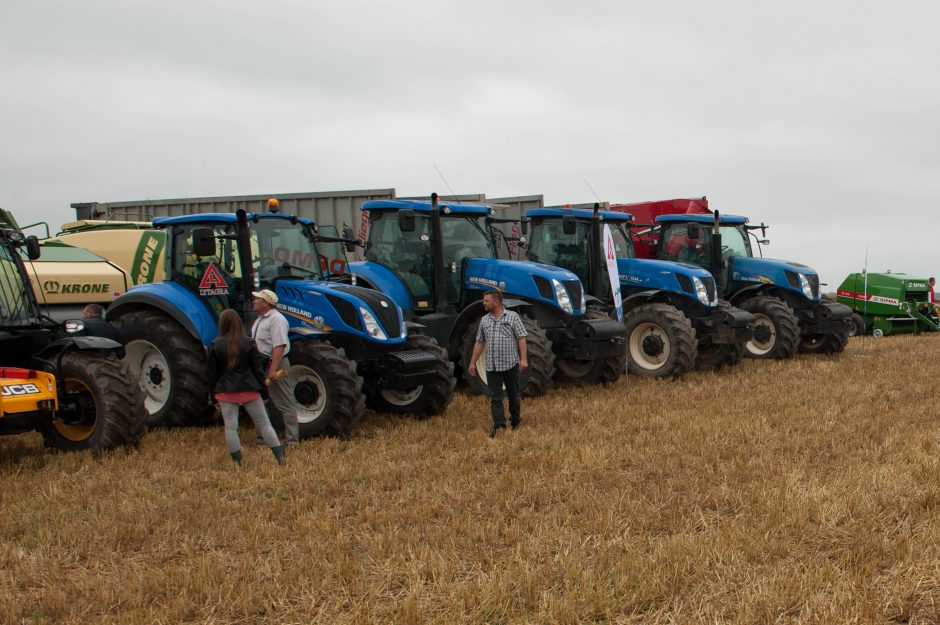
column 818, row 118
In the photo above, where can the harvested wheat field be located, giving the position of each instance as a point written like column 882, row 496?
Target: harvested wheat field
column 805, row 491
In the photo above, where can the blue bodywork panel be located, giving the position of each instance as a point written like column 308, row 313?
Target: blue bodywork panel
column 306, row 303
column 175, row 300
column 385, row 280
column 515, row 278
column 659, row 275
column 770, row 271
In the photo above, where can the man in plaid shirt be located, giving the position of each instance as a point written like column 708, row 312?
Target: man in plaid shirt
column 503, row 335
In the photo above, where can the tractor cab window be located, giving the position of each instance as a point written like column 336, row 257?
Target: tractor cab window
column 15, row 308
column 623, row 246
column 734, row 242
column 675, row 244
column 281, row 249
column 332, row 254
column 549, row 244
column 408, row 254
column 464, row 237
column 215, row 278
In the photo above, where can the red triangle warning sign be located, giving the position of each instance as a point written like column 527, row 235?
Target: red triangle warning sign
column 212, row 278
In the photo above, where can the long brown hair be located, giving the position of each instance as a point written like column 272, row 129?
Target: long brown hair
column 231, row 331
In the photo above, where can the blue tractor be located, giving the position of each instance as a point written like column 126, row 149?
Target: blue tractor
column 783, row 296
column 672, row 315
column 349, row 345
column 437, row 261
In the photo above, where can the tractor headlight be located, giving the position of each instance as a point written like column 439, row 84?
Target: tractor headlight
column 74, row 326
column 583, row 301
column 700, row 291
column 372, row 326
column 404, row 329
column 562, row 296
column 807, row 289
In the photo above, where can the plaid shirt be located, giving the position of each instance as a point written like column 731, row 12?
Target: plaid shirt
column 502, row 340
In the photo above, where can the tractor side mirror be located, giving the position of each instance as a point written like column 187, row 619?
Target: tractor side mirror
column 764, row 241
column 693, row 231
column 406, row 220
column 33, row 250
column 203, row 242
column 569, row 225
column 351, row 242
column 524, row 226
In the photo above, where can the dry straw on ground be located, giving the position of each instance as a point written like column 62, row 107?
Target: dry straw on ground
column 805, row 491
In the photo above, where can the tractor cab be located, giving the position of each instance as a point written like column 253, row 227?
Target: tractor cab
column 566, row 237
column 207, row 256
column 22, row 329
column 722, row 245
column 688, row 239
column 402, row 239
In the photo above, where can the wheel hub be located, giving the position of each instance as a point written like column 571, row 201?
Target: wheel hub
column 762, row 333
column 653, row 345
column 155, row 375
column 306, row 393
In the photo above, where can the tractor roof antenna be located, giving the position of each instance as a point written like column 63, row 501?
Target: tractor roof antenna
column 596, row 196
column 446, row 184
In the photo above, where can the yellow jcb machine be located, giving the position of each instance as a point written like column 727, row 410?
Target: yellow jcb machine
column 74, row 390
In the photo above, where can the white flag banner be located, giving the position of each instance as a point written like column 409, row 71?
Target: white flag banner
column 612, row 271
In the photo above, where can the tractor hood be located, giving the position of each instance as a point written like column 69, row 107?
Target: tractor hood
column 784, row 274
column 529, row 280
column 673, row 277
column 332, row 307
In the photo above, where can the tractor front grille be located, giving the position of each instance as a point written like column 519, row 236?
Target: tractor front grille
column 685, row 283
column 346, row 311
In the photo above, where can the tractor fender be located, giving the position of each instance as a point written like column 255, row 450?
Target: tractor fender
column 642, row 297
column 511, row 303
column 172, row 299
column 383, row 279
column 77, row 342
column 299, row 333
column 748, row 292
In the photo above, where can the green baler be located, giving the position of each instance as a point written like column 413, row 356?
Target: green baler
column 890, row 303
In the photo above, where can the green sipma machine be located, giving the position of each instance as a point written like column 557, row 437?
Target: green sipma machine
column 889, row 303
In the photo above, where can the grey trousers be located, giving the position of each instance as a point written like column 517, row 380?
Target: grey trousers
column 282, row 396
column 255, row 410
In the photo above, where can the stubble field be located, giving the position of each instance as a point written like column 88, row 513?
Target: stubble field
column 805, row 491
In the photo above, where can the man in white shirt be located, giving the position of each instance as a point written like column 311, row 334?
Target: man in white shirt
column 269, row 332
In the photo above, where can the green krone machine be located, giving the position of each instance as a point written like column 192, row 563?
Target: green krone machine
column 889, row 303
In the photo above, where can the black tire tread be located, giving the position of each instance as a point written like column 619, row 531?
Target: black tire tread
column 785, row 323
column 121, row 418
column 188, row 404
column 436, row 396
column 684, row 344
column 339, row 373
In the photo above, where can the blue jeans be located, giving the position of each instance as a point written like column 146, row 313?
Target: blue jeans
column 495, row 381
